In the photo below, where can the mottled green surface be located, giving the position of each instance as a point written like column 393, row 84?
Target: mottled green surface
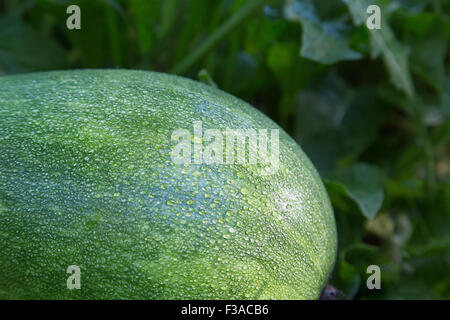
column 86, row 179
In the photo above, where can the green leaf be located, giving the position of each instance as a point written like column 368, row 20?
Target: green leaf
column 144, row 15
column 336, row 122
column 324, row 42
column 433, row 246
column 428, row 58
column 23, row 49
column 346, row 278
column 244, row 11
column 361, row 183
column 318, row 115
column 169, row 10
column 92, row 44
column 357, row 9
column 395, row 56
column 384, row 43
column 114, row 36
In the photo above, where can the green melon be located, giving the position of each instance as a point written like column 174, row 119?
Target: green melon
column 87, row 178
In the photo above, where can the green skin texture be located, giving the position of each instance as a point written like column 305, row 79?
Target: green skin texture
column 86, row 179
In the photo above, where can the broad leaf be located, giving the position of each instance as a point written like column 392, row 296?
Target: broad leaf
column 384, row 43
column 363, row 184
column 23, row 49
column 334, row 122
column 324, row 42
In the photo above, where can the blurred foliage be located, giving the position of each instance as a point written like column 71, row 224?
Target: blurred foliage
column 370, row 107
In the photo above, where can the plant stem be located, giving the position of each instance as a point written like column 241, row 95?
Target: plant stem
column 247, row 9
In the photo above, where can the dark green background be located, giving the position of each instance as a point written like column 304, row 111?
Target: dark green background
column 370, row 108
